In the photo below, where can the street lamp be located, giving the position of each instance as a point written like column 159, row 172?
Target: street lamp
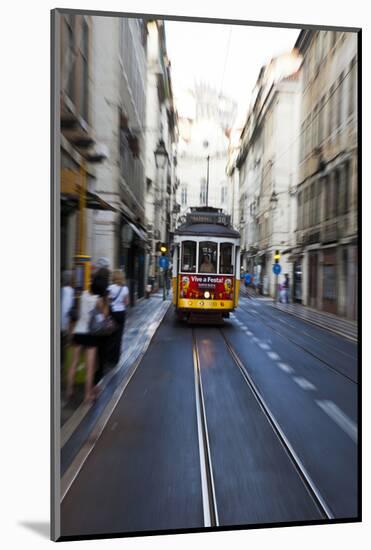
column 161, row 155
column 161, row 158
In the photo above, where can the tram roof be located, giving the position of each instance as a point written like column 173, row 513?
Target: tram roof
column 207, row 229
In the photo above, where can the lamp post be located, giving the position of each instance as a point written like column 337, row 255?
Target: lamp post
column 161, row 158
column 274, row 201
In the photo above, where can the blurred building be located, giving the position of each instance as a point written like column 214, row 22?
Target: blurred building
column 268, row 162
column 161, row 140
column 205, row 117
column 120, row 75
column 327, row 190
column 81, row 152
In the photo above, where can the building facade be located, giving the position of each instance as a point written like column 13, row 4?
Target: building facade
column 116, row 109
column 161, row 142
column 204, row 121
column 267, row 164
column 327, row 191
column 81, row 152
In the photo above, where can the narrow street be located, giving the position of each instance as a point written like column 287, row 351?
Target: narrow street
column 253, row 421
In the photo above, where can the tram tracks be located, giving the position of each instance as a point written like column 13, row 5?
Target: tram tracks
column 209, row 488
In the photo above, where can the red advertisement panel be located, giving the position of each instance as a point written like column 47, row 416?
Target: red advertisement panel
column 195, row 286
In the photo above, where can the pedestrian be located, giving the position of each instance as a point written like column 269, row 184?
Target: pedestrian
column 90, row 301
column 67, row 303
column 102, row 274
column 247, row 278
column 119, row 300
column 286, row 287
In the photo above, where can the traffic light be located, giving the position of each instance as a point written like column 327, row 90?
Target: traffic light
column 277, row 257
column 163, row 249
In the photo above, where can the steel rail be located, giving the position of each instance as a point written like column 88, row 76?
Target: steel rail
column 210, row 509
column 308, row 482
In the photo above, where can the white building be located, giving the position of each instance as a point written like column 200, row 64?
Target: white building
column 161, row 137
column 120, row 68
column 204, row 119
column 268, row 165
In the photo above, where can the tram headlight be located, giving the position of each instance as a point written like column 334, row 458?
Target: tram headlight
column 206, row 294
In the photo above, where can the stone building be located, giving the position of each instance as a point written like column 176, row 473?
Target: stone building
column 327, row 190
column 81, row 153
column 161, row 140
column 267, row 164
column 120, row 113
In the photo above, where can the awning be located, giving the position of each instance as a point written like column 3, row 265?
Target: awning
column 93, row 201
column 139, row 232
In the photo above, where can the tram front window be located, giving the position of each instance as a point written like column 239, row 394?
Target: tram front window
column 189, row 257
column 208, row 257
column 226, row 263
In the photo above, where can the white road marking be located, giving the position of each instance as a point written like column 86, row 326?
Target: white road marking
column 341, row 419
column 285, row 367
column 248, row 333
column 262, row 345
column 255, row 339
column 273, row 355
column 304, row 383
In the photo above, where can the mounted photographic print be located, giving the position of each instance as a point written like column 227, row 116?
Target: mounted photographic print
column 205, row 207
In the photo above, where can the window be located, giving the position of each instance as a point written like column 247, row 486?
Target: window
column 332, row 39
column 340, row 100
column 203, row 192
column 70, row 66
column 327, row 182
column 183, row 194
column 321, row 132
column 306, row 207
column 315, row 128
column 352, row 87
column 188, row 257
column 312, row 204
column 339, row 193
column 207, row 257
column 347, row 186
column 317, row 203
column 331, row 110
column 300, row 210
column 226, row 261
column 84, row 81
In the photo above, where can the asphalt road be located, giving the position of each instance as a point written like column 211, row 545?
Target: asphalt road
column 144, row 472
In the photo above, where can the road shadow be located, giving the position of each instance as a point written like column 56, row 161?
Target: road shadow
column 42, row 528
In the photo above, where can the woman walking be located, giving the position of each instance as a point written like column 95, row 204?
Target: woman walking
column 119, row 297
column 90, row 300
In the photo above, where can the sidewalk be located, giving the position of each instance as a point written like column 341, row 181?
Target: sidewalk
column 141, row 323
column 343, row 327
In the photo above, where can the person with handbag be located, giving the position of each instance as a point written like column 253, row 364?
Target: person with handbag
column 119, row 300
column 91, row 304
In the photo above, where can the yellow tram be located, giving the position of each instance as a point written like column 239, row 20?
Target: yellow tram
column 206, row 266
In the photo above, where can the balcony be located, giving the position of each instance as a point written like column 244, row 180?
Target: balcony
column 329, row 232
